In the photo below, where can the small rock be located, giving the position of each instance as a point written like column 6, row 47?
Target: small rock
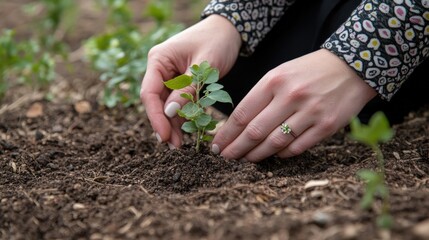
column 421, row 230
column 396, row 155
column 13, row 165
column 36, row 110
column 57, row 129
column 78, row 206
column 177, row 176
column 321, row 218
column 53, row 166
column 83, row 107
column 38, row 135
column 270, row 174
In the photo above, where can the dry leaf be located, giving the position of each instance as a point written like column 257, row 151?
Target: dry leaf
column 316, row 183
column 83, row 107
column 36, row 110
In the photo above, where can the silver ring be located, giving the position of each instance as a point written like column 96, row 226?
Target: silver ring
column 286, row 129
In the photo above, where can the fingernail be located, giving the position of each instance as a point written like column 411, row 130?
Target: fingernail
column 171, row 146
column 215, row 149
column 171, row 109
column 158, row 137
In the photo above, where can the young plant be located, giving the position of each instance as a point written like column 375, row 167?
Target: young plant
column 198, row 121
column 377, row 131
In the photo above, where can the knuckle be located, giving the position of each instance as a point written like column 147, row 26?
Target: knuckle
column 298, row 93
column 328, row 125
column 295, row 150
column 254, row 133
column 230, row 154
column 239, row 116
column 277, row 141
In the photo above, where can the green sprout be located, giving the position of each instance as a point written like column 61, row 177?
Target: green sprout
column 198, row 121
column 377, row 131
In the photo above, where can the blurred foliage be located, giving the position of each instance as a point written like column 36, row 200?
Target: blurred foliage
column 120, row 53
column 377, row 131
column 55, row 18
column 24, row 61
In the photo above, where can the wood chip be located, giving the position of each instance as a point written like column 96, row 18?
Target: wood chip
column 82, row 107
column 78, row 206
column 396, row 155
column 316, row 183
column 36, row 110
column 421, row 230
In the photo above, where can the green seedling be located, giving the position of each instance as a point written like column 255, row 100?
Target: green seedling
column 377, row 131
column 198, row 121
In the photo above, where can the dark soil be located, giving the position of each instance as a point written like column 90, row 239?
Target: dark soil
column 102, row 175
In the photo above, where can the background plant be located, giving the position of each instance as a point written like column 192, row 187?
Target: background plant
column 31, row 61
column 198, row 121
column 54, row 19
column 377, row 131
column 23, row 61
column 120, row 54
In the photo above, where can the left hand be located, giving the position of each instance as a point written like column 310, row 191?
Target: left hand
column 316, row 95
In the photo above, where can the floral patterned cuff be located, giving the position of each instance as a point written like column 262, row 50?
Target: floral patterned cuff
column 253, row 19
column 383, row 41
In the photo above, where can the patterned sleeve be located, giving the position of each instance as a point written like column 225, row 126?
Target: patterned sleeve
column 253, row 19
column 384, row 41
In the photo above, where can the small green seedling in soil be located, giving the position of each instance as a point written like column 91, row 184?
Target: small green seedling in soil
column 377, row 131
column 198, row 121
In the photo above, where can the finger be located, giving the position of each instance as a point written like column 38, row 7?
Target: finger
column 153, row 94
column 175, row 140
column 175, row 102
column 252, row 104
column 277, row 140
column 259, row 129
column 306, row 140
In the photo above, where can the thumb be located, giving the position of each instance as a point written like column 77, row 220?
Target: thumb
column 175, row 102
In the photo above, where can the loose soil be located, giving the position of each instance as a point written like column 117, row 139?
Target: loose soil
column 100, row 174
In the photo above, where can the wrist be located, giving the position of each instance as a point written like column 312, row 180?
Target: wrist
column 224, row 26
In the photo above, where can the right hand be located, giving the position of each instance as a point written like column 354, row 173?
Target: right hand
column 213, row 39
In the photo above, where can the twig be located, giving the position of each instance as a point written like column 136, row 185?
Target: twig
column 19, row 102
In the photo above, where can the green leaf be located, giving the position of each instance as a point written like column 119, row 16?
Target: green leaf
column 368, row 175
column 187, row 96
column 214, row 87
column 212, row 77
column 367, row 199
column 179, row 82
column 204, row 66
column 381, row 127
column 189, row 127
column 203, row 120
column 205, row 102
column 195, row 69
column 211, row 125
column 385, row 221
column 377, row 130
column 191, row 110
column 207, row 138
column 220, row 96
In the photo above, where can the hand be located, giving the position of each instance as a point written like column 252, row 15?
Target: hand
column 316, row 95
column 213, row 39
